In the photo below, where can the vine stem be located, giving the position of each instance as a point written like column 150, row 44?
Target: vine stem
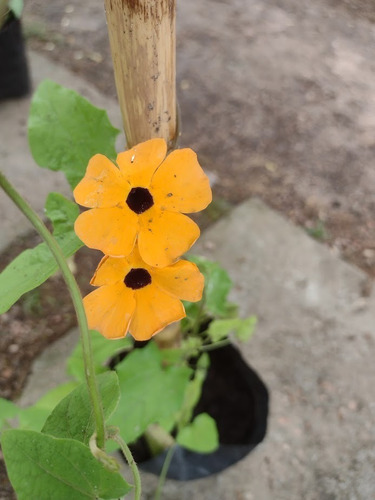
column 215, row 345
column 77, row 302
column 163, row 473
column 133, row 466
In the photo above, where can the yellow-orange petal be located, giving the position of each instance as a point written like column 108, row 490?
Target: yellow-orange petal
column 135, row 260
column 109, row 310
column 154, row 310
column 183, row 280
column 180, row 184
column 111, row 230
column 102, row 186
column 110, row 270
column 138, row 164
column 164, row 236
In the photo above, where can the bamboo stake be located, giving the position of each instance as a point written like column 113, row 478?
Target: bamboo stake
column 143, row 44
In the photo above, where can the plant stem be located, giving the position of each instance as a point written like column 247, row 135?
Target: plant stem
column 216, row 345
column 197, row 322
column 77, row 301
column 129, row 458
column 163, row 473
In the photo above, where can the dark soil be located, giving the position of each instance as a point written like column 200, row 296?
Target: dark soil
column 235, row 398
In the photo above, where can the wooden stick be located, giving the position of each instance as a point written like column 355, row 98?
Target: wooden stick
column 142, row 35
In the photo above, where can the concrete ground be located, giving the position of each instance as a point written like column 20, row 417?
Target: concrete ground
column 314, row 345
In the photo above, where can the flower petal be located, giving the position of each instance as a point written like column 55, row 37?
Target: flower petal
column 110, row 270
column 183, row 280
column 135, row 260
column 109, row 310
column 111, row 230
column 139, row 163
column 155, row 309
column 102, row 186
column 180, row 184
column 164, row 236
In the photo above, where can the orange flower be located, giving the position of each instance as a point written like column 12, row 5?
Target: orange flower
column 133, row 296
column 144, row 200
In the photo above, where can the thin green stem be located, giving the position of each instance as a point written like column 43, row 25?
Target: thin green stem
column 77, row 301
column 163, row 473
column 216, row 345
column 198, row 318
column 133, row 466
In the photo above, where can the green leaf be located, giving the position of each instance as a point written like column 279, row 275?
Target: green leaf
column 8, row 410
column 217, row 286
column 194, row 390
column 246, row 329
column 172, row 356
column 62, row 213
column 103, row 350
column 73, row 416
column 200, row 436
column 32, row 267
column 16, row 6
column 149, row 391
column 241, row 328
column 66, row 130
column 34, row 417
column 43, row 467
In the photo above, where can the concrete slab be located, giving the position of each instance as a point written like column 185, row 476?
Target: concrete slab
column 17, row 164
column 49, row 370
column 314, row 347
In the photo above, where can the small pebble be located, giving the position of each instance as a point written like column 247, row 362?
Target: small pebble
column 185, row 85
column 13, row 348
column 96, row 57
column 65, row 21
column 50, row 46
column 78, row 55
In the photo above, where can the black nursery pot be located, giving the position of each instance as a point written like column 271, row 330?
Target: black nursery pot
column 235, row 396
column 14, row 74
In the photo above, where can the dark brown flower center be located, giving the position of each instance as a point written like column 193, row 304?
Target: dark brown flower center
column 139, row 200
column 137, row 278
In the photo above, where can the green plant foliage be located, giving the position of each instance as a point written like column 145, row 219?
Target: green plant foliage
column 318, row 231
column 43, row 467
column 200, row 436
column 243, row 329
column 149, row 391
column 193, row 391
column 32, row 267
column 16, row 6
column 66, row 130
column 73, row 416
column 217, row 286
column 8, row 410
column 34, row 417
column 102, row 349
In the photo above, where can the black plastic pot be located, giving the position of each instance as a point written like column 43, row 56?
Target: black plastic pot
column 235, row 396
column 14, row 74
